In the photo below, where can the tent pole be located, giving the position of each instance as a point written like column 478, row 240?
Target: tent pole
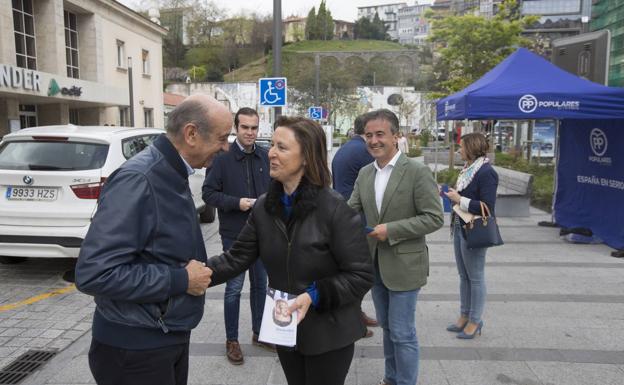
column 451, row 157
column 552, row 222
column 556, row 178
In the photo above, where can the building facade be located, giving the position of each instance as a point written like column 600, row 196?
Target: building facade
column 294, row 29
column 609, row 14
column 413, row 27
column 465, row 6
column 558, row 18
column 388, row 13
column 73, row 61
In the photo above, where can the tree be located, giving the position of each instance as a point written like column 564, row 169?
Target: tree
column 310, row 28
column 172, row 15
column 371, row 30
column 379, row 28
column 261, row 33
column 319, row 26
column 324, row 23
column 197, row 73
column 468, row 46
column 203, row 21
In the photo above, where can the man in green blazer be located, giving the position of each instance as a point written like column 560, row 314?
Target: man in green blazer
column 400, row 200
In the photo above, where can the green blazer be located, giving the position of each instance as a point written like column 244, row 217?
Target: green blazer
column 410, row 209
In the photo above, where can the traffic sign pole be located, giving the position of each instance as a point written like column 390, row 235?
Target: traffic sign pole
column 277, row 46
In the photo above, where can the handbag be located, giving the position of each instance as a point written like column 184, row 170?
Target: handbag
column 482, row 231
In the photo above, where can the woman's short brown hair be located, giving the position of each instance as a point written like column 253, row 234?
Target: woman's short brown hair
column 475, row 145
column 311, row 137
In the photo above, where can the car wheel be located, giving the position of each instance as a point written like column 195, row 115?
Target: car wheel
column 12, row 260
column 208, row 215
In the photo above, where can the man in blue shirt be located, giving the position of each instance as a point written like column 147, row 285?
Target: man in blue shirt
column 232, row 185
column 346, row 165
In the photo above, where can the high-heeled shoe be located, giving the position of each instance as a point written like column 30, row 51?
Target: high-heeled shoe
column 464, row 336
column 456, row 329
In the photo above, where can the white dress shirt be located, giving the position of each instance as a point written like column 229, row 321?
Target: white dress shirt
column 190, row 170
column 382, row 176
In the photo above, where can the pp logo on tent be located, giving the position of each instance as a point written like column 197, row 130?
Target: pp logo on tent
column 598, row 141
column 527, row 103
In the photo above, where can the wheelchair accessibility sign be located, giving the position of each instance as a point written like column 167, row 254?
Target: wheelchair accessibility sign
column 272, row 92
column 315, row 113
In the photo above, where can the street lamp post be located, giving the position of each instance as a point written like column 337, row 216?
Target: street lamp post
column 131, row 91
column 277, row 45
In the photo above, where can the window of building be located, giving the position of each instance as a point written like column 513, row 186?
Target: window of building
column 124, row 116
column 74, row 116
column 28, row 115
column 24, row 29
column 551, row 7
column 71, row 45
column 148, row 117
column 121, row 54
column 146, row 62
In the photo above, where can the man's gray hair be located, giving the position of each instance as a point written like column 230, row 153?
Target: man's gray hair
column 189, row 111
column 383, row 114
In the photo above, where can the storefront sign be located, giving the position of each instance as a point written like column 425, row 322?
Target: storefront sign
column 20, row 78
column 30, row 80
column 54, row 89
column 47, row 87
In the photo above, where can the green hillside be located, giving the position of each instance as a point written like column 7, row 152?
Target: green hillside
column 249, row 72
column 262, row 67
column 343, row 46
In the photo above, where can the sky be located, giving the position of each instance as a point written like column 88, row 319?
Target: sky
column 340, row 9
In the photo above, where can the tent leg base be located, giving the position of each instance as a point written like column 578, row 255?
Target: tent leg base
column 618, row 254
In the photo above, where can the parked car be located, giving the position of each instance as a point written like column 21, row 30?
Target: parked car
column 441, row 133
column 264, row 143
column 50, row 181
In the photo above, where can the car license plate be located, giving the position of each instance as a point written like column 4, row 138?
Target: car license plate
column 31, row 193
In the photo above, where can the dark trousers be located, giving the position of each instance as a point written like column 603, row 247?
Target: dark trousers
column 329, row 368
column 231, row 297
column 115, row 366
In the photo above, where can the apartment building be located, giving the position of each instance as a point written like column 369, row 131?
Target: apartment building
column 79, row 62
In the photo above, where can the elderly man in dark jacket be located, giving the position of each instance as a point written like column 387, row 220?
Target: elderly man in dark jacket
column 233, row 183
column 143, row 258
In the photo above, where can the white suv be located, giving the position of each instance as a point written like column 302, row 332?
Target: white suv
column 50, row 180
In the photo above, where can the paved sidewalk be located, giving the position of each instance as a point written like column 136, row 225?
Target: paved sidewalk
column 555, row 315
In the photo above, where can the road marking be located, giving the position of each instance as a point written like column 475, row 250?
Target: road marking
column 38, row 298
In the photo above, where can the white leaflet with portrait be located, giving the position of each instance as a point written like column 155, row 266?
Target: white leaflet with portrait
column 278, row 327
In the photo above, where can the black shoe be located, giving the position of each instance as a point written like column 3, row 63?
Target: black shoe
column 264, row 345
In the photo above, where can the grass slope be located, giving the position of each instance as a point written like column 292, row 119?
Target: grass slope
column 343, row 46
column 261, row 67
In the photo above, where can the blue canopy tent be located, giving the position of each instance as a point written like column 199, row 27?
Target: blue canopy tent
column 590, row 166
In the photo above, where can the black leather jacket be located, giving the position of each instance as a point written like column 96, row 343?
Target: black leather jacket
column 323, row 242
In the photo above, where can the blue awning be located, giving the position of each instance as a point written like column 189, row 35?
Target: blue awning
column 526, row 86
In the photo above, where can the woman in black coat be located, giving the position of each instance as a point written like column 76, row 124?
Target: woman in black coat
column 476, row 183
column 313, row 246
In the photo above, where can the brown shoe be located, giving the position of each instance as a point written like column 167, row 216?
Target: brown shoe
column 234, row 353
column 369, row 333
column 265, row 345
column 368, row 321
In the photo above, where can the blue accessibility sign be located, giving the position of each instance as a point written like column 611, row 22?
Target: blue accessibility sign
column 315, row 113
column 272, row 92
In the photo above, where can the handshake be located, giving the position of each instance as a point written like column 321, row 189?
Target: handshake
column 198, row 277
